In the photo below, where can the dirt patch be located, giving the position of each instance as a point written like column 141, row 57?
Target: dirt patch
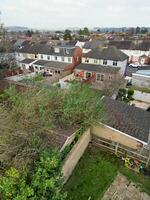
column 122, row 189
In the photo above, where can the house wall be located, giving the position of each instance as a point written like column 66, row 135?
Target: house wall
column 134, row 55
column 141, row 96
column 75, row 154
column 140, row 80
column 114, row 135
column 121, row 64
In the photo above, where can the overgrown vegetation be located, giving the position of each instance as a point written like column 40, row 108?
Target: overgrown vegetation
column 28, row 118
column 125, row 95
column 45, row 181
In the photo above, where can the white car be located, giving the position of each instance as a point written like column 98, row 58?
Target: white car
column 134, row 65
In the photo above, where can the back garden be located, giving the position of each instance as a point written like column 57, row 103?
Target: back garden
column 30, row 157
column 94, row 174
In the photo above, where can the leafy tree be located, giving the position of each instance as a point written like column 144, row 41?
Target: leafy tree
column 67, row 35
column 138, row 30
column 45, row 182
column 144, row 30
column 29, row 33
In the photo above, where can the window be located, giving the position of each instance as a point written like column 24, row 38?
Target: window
column 100, row 77
column 57, row 50
column 114, row 63
column 35, row 56
column 48, row 58
column 62, row 59
column 86, row 60
column 69, row 59
column 40, row 68
column 67, row 51
column 55, row 57
column 58, row 72
column 41, row 56
column 104, row 62
column 95, row 61
column 88, row 74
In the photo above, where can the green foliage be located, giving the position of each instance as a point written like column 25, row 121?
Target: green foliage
column 67, row 35
column 45, row 182
column 82, row 106
column 85, row 31
column 125, row 94
column 68, row 148
column 28, row 119
column 130, row 93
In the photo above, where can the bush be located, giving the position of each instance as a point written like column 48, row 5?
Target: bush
column 45, row 182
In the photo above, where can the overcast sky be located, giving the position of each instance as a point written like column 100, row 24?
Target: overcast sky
column 55, row 14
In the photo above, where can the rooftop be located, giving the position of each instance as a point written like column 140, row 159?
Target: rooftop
column 107, row 53
column 97, row 68
column 128, row 119
column 27, row 61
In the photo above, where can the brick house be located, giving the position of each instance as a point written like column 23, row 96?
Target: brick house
column 102, row 65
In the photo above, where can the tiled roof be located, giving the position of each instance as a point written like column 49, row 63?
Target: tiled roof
column 97, row 68
column 107, row 53
column 40, row 62
column 46, row 49
column 27, row 61
column 93, row 44
column 128, row 119
column 53, row 64
column 131, row 45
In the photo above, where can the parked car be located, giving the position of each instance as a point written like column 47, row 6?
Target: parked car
column 134, row 65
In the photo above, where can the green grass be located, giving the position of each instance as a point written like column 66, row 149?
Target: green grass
column 94, row 174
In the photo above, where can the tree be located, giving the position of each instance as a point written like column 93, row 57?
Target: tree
column 29, row 33
column 45, row 182
column 67, row 35
column 138, row 30
column 28, row 119
column 86, row 31
column 144, row 30
column 112, row 87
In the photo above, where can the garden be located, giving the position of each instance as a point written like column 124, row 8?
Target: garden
column 94, row 174
column 30, row 162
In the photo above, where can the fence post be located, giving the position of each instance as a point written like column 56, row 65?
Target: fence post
column 148, row 160
column 116, row 148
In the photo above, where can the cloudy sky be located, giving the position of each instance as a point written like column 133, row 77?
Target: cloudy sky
column 55, row 14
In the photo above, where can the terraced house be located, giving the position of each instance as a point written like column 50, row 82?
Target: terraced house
column 53, row 60
column 101, row 65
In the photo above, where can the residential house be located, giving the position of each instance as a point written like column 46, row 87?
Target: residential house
column 52, row 68
column 101, row 65
column 66, row 54
column 137, row 50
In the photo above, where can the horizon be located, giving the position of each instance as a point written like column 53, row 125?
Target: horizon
column 57, row 14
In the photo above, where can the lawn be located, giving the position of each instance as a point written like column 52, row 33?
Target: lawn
column 94, row 174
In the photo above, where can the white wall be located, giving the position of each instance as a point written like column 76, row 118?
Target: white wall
column 141, row 80
column 121, row 64
column 141, row 96
column 21, row 77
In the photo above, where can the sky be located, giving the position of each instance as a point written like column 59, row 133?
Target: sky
column 59, row 14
